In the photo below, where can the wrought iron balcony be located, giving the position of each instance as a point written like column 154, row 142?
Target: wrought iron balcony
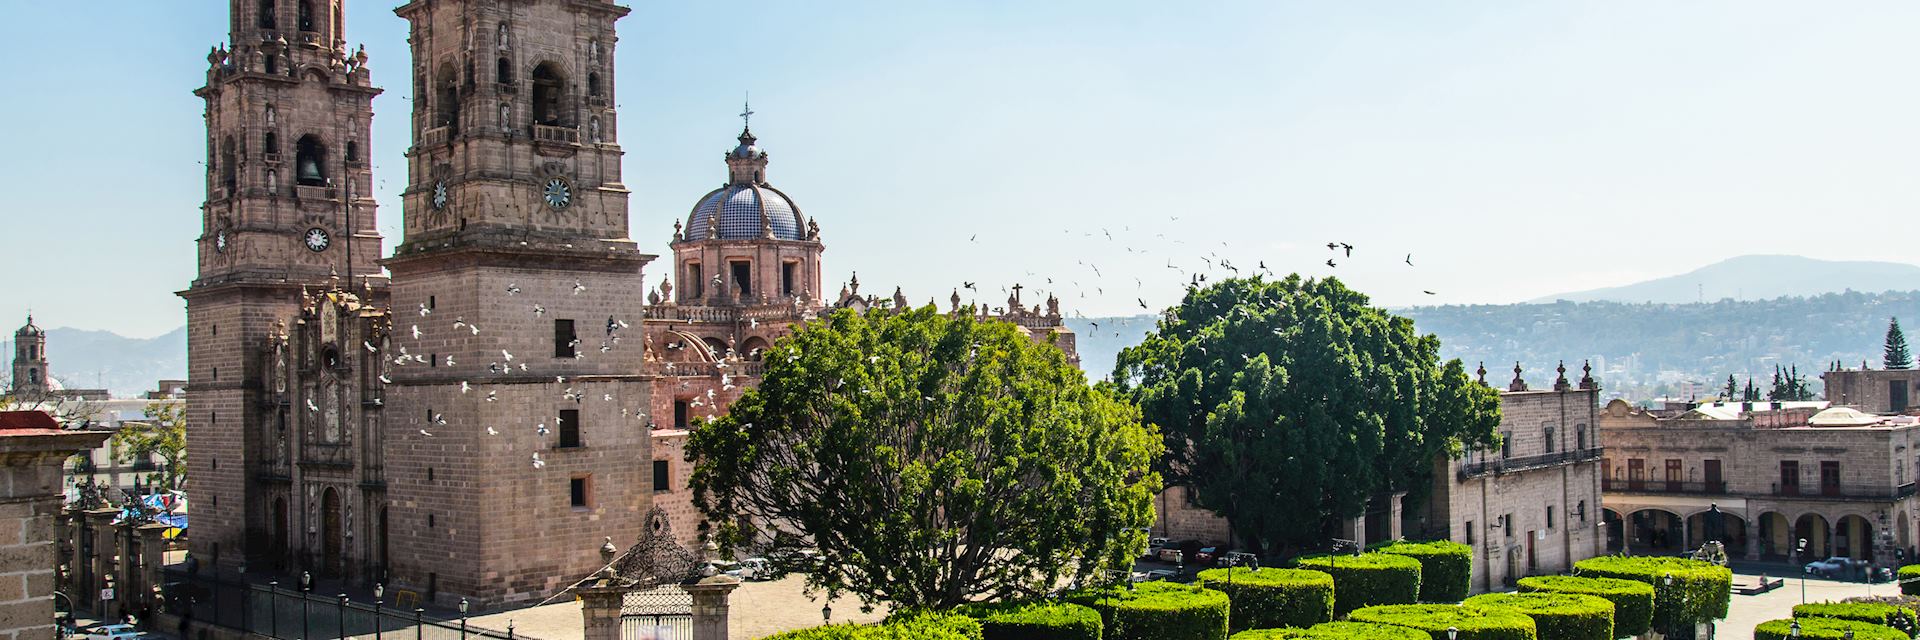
column 1661, row 486
column 1499, row 466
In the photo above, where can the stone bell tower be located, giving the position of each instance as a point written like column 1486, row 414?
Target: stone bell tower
column 289, row 206
column 525, row 297
column 29, row 361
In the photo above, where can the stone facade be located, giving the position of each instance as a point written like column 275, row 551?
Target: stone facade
column 1531, row 506
column 1874, row 390
column 1774, row 472
column 32, row 448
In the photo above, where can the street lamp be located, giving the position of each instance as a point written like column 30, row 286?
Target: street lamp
column 340, row 617
column 1793, row 629
column 306, row 602
column 826, row 612
column 379, row 592
column 463, row 619
column 1453, row 633
column 1800, row 553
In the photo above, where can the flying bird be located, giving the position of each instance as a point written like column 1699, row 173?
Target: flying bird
column 1409, row 259
column 513, row 289
column 1330, row 263
column 1348, row 247
column 577, row 287
column 539, row 310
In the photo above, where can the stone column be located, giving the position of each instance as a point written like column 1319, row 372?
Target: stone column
column 600, row 601
column 32, row 448
column 1395, row 511
column 100, row 523
column 710, row 605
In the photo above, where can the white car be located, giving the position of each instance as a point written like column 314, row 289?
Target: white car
column 114, row 632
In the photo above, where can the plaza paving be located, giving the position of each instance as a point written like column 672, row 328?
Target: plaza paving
column 1747, row 611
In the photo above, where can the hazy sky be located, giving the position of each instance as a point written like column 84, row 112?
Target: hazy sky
column 1516, row 149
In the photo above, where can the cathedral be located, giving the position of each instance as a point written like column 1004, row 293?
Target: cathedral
column 472, row 415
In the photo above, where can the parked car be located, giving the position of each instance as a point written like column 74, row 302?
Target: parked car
column 114, row 632
column 755, row 569
column 1169, row 554
column 1158, row 574
column 1238, row 559
column 1830, row 567
column 1154, row 545
column 1206, row 555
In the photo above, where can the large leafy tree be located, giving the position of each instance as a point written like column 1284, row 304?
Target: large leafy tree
column 1284, row 403
column 163, row 435
column 929, row 459
column 1895, row 355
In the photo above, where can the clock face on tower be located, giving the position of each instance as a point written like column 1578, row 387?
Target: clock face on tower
column 318, row 240
column 558, row 194
column 440, row 195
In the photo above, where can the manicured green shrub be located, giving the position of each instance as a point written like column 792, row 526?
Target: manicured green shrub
column 1910, row 579
column 1336, row 631
column 1034, row 620
column 1700, row 591
column 1368, row 579
column 1825, row 629
column 1446, row 567
column 1632, row 600
column 1158, row 611
column 1474, row 623
column 907, row 626
column 1899, row 618
column 1272, row 598
column 1561, row 616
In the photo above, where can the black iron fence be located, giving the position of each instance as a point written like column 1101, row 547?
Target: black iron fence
column 290, row 614
column 664, row 613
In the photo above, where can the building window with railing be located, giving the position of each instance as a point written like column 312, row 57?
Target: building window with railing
column 1789, row 477
column 1829, row 477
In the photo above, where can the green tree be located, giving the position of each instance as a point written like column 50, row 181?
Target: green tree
column 1896, row 355
column 163, row 435
column 1732, row 391
column 930, row 460
column 1284, row 403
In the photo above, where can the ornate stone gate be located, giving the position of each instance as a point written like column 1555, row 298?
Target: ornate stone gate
column 657, row 590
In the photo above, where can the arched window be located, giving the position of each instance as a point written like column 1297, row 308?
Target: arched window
column 353, row 151
column 310, row 161
column 593, row 84
column 306, row 15
column 273, row 144
column 229, row 165
column 503, row 71
column 449, row 99
column 548, row 85
column 266, row 15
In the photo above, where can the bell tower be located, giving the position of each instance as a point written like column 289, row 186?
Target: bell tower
column 289, row 205
column 528, row 299
column 29, row 361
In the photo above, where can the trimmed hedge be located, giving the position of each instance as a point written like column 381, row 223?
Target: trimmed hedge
column 912, row 626
column 1336, row 631
column 1825, row 629
column 1632, row 600
column 1446, row 567
column 1700, row 592
column 1272, row 598
column 1158, row 611
column 1910, row 579
column 1474, row 623
column 1034, row 620
column 1900, row 618
column 1368, row 579
column 1561, row 616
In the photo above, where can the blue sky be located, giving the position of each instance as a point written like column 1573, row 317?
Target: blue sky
column 1516, row 149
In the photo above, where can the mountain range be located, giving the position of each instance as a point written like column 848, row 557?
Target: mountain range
column 1757, row 277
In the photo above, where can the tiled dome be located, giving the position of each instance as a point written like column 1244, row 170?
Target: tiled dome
column 747, row 207
column 739, row 208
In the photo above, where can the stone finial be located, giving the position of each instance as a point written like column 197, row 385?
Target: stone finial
column 607, row 551
column 1053, row 306
column 1586, row 375
column 678, row 233
column 855, row 283
column 955, row 300
column 1480, row 375
column 813, row 229
column 1560, row 382
column 1519, row 383
column 713, row 228
column 666, row 289
column 899, row 299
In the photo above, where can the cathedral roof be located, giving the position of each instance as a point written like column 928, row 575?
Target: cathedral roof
column 747, row 207
column 30, row 329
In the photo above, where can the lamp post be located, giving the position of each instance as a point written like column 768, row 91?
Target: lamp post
column 306, row 603
column 1672, row 621
column 379, row 594
column 826, row 610
column 340, row 616
column 1453, row 633
column 1793, row 629
column 463, row 619
column 1800, row 553
column 273, row 606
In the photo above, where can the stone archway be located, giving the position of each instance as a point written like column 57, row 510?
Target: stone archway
column 1853, row 537
column 1776, row 537
column 1615, row 530
column 1732, row 532
column 1657, row 530
column 1814, row 529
